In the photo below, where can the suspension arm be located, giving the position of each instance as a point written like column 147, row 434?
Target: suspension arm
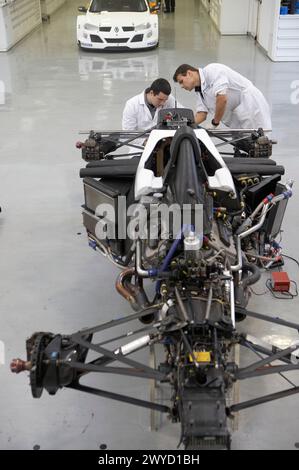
column 266, row 371
column 259, row 364
column 261, row 400
column 277, row 320
column 116, row 357
column 122, row 398
column 120, row 321
column 118, row 370
column 260, row 349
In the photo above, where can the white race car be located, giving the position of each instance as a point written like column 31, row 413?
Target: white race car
column 118, row 24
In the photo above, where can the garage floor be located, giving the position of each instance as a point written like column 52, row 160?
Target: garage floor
column 52, row 281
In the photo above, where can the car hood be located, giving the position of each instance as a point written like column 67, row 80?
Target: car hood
column 120, row 18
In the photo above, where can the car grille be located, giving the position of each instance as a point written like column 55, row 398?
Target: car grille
column 95, row 38
column 107, row 29
column 137, row 38
column 116, row 40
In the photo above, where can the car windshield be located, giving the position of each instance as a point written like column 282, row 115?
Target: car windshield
column 117, row 5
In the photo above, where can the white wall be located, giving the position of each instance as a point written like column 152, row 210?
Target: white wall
column 230, row 16
column 17, row 19
column 253, row 11
column 49, row 6
column 234, row 16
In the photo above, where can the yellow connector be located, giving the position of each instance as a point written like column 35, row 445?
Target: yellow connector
column 201, row 356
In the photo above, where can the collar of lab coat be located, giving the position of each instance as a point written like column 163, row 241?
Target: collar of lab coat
column 203, row 82
column 142, row 98
column 142, row 102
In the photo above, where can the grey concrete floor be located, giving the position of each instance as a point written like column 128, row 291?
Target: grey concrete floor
column 51, row 280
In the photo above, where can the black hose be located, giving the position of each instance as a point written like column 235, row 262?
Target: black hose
column 109, row 172
column 249, row 161
column 255, row 276
column 112, row 163
column 266, row 170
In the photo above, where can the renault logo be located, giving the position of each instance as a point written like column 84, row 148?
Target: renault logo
column 116, row 29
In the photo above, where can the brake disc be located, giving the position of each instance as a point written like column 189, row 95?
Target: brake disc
column 36, row 346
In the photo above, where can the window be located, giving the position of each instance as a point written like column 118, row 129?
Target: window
column 98, row 6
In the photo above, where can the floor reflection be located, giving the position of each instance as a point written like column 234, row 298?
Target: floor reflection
column 129, row 68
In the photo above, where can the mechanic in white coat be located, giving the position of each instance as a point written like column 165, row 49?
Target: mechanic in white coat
column 141, row 111
column 231, row 98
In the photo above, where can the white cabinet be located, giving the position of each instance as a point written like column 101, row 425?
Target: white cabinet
column 230, row 16
column 49, row 6
column 277, row 34
column 285, row 44
column 17, row 19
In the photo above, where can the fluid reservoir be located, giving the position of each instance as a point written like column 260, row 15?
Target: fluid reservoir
column 192, row 245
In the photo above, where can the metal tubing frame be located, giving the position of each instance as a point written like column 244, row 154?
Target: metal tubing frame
column 122, row 398
column 99, row 364
column 278, row 321
column 218, row 133
column 260, row 349
column 114, row 370
column 120, row 321
column 266, row 371
column 265, row 362
column 261, row 400
column 229, row 142
column 153, row 374
column 259, row 368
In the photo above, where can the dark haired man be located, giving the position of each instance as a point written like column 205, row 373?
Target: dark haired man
column 141, row 111
column 227, row 95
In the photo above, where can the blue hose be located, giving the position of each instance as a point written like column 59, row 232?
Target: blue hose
column 172, row 251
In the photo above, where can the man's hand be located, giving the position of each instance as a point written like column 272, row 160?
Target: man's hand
column 200, row 117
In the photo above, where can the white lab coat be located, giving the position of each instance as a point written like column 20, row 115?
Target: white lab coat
column 137, row 116
column 246, row 107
